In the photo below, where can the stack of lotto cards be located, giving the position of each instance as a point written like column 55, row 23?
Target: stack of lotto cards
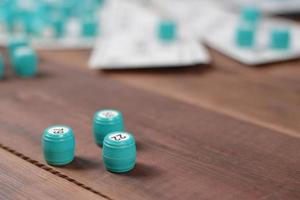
column 223, row 37
column 147, row 33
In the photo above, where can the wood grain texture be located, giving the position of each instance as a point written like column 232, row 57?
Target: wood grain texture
column 22, row 180
column 184, row 151
column 267, row 95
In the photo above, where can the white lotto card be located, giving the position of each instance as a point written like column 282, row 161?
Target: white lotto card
column 120, row 17
column 194, row 17
column 271, row 6
column 124, row 52
column 130, row 40
column 222, row 38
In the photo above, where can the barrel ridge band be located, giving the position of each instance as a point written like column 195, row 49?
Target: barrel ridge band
column 53, row 171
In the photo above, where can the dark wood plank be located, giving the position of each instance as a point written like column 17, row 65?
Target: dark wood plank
column 22, row 180
column 266, row 95
column 184, row 151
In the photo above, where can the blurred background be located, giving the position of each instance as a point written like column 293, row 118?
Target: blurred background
column 156, row 33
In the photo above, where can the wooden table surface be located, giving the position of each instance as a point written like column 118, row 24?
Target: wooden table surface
column 222, row 131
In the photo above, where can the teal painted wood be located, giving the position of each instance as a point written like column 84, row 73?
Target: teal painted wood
column 119, row 152
column 106, row 121
column 58, row 145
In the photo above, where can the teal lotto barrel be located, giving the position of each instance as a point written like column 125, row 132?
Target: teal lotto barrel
column 106, row 121
column 58, row 145
column 58, row 24
column 245, row 36
column 89, row 27
column 167, row 30
column 250, row 14
column 280, row 39
column 16, row 42
column 25, row 62
column 119, row 152
column 1, row 67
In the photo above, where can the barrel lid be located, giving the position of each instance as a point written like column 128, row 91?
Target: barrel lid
column 108, row 116
column 58, row 132
column 119, row 139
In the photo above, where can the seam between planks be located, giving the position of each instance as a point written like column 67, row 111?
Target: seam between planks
column 206, row 106
column 225, row 112
column 53, row 171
